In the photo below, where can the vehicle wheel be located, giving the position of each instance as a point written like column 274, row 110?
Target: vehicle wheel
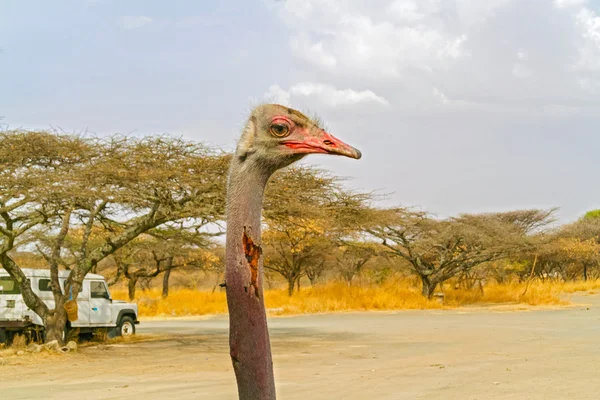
column 3, row 336
column 126, row 327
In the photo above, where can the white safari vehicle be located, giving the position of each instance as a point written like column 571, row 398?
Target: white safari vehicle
column 96, row 309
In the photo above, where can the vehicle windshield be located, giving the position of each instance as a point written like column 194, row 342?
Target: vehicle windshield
column 8, row 286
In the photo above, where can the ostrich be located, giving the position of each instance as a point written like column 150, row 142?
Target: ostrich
column 274, row 137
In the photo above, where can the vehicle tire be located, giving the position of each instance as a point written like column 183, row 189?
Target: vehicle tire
column 126, row 327
column 3, row 336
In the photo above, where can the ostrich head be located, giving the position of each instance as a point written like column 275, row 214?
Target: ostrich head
column 276, row 136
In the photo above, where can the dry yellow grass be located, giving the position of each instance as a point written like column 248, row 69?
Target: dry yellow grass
column 19, row 342
column 182, row 302
column 512, row 293
column 579, row 286
column 341, row 297
column 335, row 297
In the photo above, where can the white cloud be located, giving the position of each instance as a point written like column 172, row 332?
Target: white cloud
column 134, row 22
column 334, row 97
column 568, row 3
column 323, row 93
column 312, row 52
column 453, row 49
column 430, row 56
column 588, row 23
column 406, row 10
column 448, row 103
column 589, row 85
column 356, row 37
column 276, row 94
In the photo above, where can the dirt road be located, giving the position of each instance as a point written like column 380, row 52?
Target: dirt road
column 471, row 354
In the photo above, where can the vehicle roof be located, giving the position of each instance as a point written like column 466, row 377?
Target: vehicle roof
column 45, row 273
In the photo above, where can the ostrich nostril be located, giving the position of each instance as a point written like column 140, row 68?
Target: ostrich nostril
column 328, row 143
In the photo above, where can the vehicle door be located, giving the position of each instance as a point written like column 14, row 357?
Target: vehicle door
column 83, row 306
column 100, row 310
column 44, row 290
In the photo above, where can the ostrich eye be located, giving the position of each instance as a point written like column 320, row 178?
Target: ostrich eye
column 279, row 130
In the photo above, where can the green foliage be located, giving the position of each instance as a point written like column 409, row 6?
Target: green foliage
column 593, row 214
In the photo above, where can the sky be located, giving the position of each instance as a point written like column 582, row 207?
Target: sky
column 457, row 105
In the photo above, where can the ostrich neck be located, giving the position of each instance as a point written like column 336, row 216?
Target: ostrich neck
column 244, row 199
column 250, row 348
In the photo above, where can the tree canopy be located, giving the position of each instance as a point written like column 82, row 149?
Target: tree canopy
column 438, row 250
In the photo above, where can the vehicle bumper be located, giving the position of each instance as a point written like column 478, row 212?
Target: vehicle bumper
column 15, row 325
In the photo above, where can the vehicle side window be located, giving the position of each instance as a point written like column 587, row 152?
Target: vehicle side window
column 8, row 286
column 98, row 290
column 44, row 285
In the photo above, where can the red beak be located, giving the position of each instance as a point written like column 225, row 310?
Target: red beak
column 323, row 143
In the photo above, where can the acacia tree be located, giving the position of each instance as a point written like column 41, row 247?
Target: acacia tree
column 438, row 250
column 139, row 259
column 189, row 247
column 352, row 257
column 291, row 245
column 306, row 210
column 122, row 185
column 159, row 252
column 579, row 244
column 582, row 252
column 317, row 268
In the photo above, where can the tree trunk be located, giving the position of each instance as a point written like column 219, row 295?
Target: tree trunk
column 131, row 288
column 585, row 272
column 348, row 277
column 428, row 287
column 217, row 283
column 291, row 284
column 165, row 290
column 54, row 325
column 313, row 273
column 145, row 284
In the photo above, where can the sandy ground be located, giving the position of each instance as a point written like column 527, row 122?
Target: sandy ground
column 470, row 354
